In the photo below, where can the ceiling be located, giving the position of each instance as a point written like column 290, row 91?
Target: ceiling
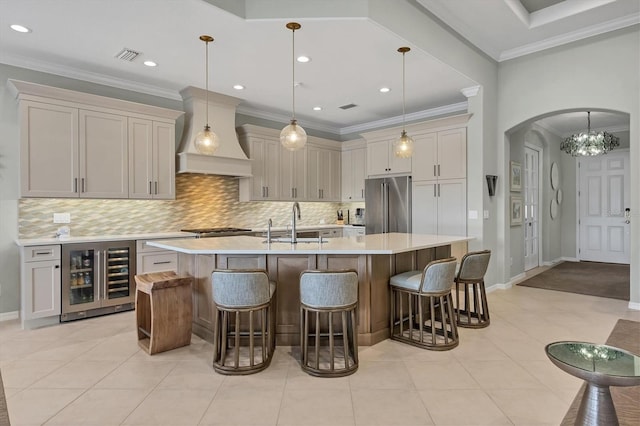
column 352, row 57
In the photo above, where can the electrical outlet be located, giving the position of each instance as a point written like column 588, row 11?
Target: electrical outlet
column 62, row 218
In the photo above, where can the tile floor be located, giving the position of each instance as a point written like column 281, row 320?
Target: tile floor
column 92, row 372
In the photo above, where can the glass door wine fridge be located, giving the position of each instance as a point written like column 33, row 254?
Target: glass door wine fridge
column 97, row 279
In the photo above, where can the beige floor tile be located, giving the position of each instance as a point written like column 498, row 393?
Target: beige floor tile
column 137, row 375
column 462, row 407
column 273, row 377
column 24, row 372
column 76, row 374
column 13, row 349
column 171, row 407
column 192, row 375
column 381, row 375
column 530, row 406
column 440, row 375
column 550, row 375
column 316, row 407
column 100, row 407
column 298, row 379
column 477, row 347
column 36, row 406
column 389, row 407
column 504, row 374
column 521, row 349
column 244, row 406
column 63, row 350
column 112, row 349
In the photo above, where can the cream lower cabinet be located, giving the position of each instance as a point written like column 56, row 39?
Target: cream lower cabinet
column 323, row 171
column 439, row 207
column 40, row 285
column 151, row 159
column 354, row 171
column 154, row 259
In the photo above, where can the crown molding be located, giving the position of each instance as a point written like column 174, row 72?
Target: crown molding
column 283, row 118
column 614, row 24
column 64, row 71
column 419, row 115
column 470, row 91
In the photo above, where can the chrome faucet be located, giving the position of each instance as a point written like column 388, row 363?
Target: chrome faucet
column 295, row 207
column 269, row 224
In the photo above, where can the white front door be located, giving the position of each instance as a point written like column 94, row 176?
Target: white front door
column 603, row 198
column 531, row 208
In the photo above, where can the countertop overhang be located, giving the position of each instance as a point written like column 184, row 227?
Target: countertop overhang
column 392, row 243
column 25, row 242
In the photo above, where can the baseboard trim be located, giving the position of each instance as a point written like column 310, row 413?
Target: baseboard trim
column 8, row 316
column 634, row 305
column 498, row 286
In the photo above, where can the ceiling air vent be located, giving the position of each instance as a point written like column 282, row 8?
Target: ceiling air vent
column 127, row 54
column 348, row 106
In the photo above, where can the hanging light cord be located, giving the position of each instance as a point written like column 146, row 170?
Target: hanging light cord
column 403, row 91
column 588, row 122
column 293, row 72
column 206, row 74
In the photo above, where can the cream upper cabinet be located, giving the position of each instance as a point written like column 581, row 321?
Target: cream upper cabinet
column 354, row 166
column 293, row 174
column 265, row 167
column 76, row 144
column 104, row 164
column 441, row 155
column 382, row 161
column 151, row 159
column 49, row 150
column 324, row 170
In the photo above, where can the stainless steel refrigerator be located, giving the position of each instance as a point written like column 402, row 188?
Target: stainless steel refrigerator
column 388, row 204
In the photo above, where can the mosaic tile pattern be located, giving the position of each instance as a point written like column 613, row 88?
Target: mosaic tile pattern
column 201, row 201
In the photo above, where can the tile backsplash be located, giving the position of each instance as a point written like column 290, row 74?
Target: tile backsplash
column 201, row 201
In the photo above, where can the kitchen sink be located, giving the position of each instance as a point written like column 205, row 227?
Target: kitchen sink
column 317, row 240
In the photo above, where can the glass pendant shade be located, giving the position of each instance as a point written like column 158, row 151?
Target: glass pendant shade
column 589, row 143
column 293, row 136
column 206, row 141
column 403, row 146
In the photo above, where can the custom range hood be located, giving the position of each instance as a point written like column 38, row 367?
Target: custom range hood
column 229, row 159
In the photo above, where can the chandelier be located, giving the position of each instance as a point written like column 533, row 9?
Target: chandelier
column 589, row 143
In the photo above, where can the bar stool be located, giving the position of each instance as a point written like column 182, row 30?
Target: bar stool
column 244, row 314
column 163, row 311
column 325, row 294
column 475, row 314
column 423, row 300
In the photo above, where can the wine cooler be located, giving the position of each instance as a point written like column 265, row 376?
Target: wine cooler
column 97, row 279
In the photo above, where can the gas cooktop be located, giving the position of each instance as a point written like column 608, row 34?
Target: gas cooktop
column 217, row 232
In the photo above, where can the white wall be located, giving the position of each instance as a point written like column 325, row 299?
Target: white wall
column 564, row 79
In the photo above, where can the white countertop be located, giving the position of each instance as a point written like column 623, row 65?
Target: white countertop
column 98, row 238
column 367, row 244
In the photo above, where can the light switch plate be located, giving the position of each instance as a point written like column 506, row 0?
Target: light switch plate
column 62, row 218
column 486, row 214
column 473, row 214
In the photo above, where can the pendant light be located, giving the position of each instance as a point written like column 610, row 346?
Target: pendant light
column 206, row 142
column 589, row 143
column 403, row 146
column 293, row 136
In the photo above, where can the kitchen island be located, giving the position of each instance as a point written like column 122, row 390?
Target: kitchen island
column 375, row 258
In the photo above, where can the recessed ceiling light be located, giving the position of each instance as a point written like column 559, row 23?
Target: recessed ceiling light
column 238, row 86
column 20, row 28
column 317, row 108
column 150, row 63
column 303, row 59
column 384, row 90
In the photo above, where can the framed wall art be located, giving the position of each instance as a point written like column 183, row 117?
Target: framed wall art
column 516, row 210
column 515, row 175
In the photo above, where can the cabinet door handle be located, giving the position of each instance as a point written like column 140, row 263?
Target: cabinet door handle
column 57, row 266
column 150, row 188
column 83, row 186
column 156, row 187
column 267, row 192
column 75, row 184
column 434, row 190
column 434, row 170
column 162, row 263
column 48, row 253
column 438, row 190
column 438, row 169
